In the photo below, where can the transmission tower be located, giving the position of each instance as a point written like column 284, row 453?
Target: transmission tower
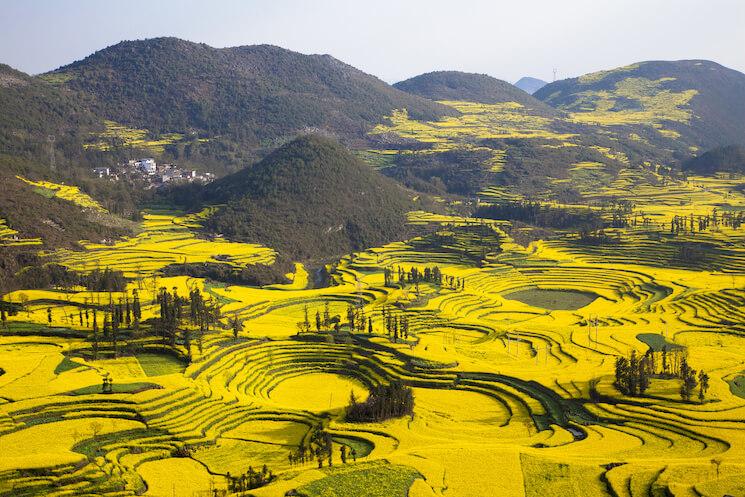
column 52, row 164
column 555, row 71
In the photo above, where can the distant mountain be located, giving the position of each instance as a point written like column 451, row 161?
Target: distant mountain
column 694, row 102
column 250, row 95
column 454, row 85
column 309, row 199
column 729, row 159
column 530, row 85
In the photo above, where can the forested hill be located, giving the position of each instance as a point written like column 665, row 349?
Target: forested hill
column 31, row 111
column 455, row 85
column 310, row 198
column 728, row 159
column 252, row 94
column 697, row 102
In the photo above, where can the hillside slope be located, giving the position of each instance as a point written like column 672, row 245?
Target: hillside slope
column 455, row 85
column 31, row 111
column 698, row 102
column 729, row 159
column 310, row 198
column 251, row 93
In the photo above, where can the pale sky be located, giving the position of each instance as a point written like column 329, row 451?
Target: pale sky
column 393, row 39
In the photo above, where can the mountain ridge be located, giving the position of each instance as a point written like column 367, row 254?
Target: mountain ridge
column 472, row 87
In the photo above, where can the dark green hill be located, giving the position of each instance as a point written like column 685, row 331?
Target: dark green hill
column 58, row 223
column 455, row 85
column 530, row 85
column 310, row 198
column 252, row 95
column 32, row 110
column 696, row 102
column 729, row 159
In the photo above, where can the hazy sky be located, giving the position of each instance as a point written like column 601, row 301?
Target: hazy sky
column 394, row 39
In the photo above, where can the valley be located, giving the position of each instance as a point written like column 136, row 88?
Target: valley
column 445, row 287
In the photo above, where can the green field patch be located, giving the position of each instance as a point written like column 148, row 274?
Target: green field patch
column 160, row 364
column 375, row 479
column 45, row 192
column 737, row 385
column 555, row 300
column 657, row 342
column 362, row 446
column 116, row 388
column 66, row 365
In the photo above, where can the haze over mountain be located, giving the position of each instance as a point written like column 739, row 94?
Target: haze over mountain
column 471, row 87
column 310, row 198
column 530, row 85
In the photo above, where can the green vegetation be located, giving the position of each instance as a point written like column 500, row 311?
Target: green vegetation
column 556, row 300
column 160, row 364
column 661, row 96
column 728, row 159
column 116, row 388
column 657, row 342
column 66, row 365
column 281, row 93
column 737, row 386
column 365, row 480
column 460, row 86
column 342, row 204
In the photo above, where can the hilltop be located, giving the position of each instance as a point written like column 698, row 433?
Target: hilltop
column 236, row 99
column 471, row 87
column 310, row 198
column 730, row 159
column 530, row 85
column 689, row 102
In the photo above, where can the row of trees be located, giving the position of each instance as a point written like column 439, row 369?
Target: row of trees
column 249, row 480
column 202, row 314
column 693, row 223
column 430, row 274
column 633, row 374
column 550, row 216
column 319, row 448
column 396, row 325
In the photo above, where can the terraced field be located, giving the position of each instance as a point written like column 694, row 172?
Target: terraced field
column 512, row 369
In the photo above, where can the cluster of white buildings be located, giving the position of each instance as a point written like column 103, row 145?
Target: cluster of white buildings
column 153, row 173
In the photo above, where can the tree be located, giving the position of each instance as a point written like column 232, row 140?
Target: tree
column 49, row 316
column 96, row 428
column 318, row 321
column 95, row 336
column 237, row 326
column 23, row 299
column 326, row 315
column 717, row 462
column 689, row 383
column 703, row 385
